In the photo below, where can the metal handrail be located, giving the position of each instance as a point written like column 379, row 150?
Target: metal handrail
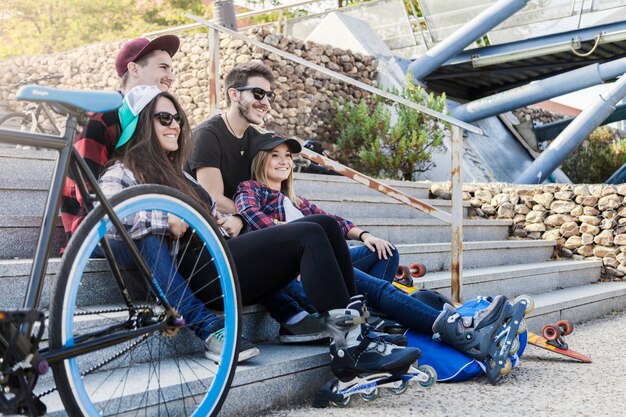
column 237, row 16
column 377, row 91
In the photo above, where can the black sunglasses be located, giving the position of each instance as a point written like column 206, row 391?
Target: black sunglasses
column 166, row 118
column 258, row 93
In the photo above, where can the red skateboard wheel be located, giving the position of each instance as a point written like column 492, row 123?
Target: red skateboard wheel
column 417, row 270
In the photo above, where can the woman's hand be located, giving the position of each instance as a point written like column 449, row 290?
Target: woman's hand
column 177, row 226
column 232, row 225
column 376, row 244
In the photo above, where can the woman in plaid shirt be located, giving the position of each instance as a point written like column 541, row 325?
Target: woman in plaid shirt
column 269, row 199
column 153, row 144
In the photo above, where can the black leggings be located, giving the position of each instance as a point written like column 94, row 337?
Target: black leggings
column 267, row 259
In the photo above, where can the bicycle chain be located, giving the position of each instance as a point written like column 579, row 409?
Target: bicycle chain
column 106, row 361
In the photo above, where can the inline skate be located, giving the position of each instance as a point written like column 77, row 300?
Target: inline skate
column 363, row 361
column 489, row 335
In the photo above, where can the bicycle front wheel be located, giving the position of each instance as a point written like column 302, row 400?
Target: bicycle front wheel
column 163, row 372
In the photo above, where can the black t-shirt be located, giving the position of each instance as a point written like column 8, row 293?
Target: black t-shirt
column 214, row 146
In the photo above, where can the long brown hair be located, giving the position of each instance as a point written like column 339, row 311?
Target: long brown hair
column 144, row 156
column 259, row 173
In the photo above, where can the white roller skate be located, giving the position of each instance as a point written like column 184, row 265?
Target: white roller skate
column 364, row 362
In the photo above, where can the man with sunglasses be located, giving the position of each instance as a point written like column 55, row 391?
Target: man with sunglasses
column 220, row 160
column 140, row 61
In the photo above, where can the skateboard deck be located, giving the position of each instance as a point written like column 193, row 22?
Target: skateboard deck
column 533, row 338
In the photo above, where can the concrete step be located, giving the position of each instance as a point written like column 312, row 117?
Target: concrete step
column 286, row 375
column 308, row 184
column 349, row 206
column 14, row 276
column 281, row 376
column 26, row 163
column 24, row 196
column 512, row 280
column 436, row 256
column 404, row 231
column 577, row 304
column 19, row 235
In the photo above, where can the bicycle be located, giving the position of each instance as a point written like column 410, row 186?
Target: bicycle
column 37, row 116
column 116, row 345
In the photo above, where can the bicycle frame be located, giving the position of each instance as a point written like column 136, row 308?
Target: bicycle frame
column 69, row 159
column 42, row 109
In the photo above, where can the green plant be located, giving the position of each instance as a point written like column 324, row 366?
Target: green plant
column 368, row 142
column 599, row 156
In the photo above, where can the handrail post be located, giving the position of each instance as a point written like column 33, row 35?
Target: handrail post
column 456, row 217
column 214, row 71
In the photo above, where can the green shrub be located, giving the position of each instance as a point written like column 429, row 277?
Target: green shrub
column 369, row 143
column 597, row 158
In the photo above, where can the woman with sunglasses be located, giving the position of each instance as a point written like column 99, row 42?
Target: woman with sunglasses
column 153, row 144
column 220, row 160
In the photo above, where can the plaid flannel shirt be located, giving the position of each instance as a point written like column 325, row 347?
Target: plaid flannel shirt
column 115, row 179
column 96, row 145
column 262, row 207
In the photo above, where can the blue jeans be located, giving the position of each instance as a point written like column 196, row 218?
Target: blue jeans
column 202, row 321
column 367, row 261
column 374, row 279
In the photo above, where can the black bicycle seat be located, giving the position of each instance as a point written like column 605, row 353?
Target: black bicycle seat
column 87, row 100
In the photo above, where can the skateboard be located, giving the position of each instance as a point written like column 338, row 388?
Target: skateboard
column 551, row 338
column 554, row 332
column 406, row 274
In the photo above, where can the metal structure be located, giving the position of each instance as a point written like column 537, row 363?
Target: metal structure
column 540, row 90
column 464, row 36
column 574, row 135
column 550, row 131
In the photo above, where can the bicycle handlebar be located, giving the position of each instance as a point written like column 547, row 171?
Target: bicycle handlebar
column 35, row 80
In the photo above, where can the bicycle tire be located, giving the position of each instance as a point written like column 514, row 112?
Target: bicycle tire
column 180, row 381
column 16, row 121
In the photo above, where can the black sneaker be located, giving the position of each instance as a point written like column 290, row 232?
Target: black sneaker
column 215, row 343
column 309, row 329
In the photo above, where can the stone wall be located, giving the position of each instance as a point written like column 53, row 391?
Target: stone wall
column 587, row 221
column 303, row 106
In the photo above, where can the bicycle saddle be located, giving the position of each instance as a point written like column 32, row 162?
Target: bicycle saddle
column 87, row 100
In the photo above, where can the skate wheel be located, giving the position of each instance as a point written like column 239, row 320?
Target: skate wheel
column 339, row 404
column 551, row 332
column 417, row 270
column 402, row 273
column 399, row 390
column 432, row 376
column 522, row 326
column 508, row 365
column 530, row 302
column 515, row 346
column 565, row 326
column 371, row 396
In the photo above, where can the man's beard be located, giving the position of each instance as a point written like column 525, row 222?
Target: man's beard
column 243, row 112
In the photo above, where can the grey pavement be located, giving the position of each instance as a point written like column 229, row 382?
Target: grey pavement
column 544, row 384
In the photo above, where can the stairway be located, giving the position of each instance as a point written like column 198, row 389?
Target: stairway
column 284, row 375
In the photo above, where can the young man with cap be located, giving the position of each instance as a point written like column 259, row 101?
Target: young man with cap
column 139, row 62
column 220, row 160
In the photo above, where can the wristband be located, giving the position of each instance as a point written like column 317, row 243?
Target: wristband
column 361, row 235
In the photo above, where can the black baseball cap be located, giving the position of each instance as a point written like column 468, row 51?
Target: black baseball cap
column 270, row 140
